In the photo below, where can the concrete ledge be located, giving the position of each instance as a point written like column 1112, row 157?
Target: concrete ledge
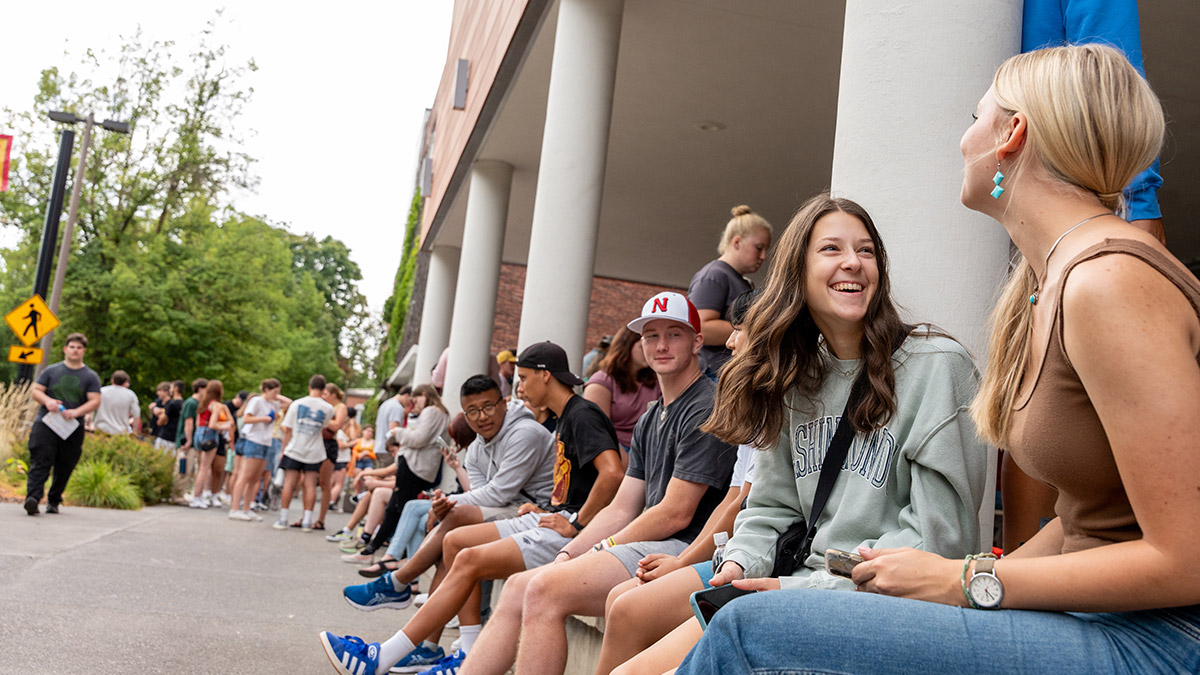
column 585, row 635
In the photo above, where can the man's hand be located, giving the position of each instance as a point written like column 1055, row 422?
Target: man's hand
column 729, row 572
column 529, row 507
column 558, row 523
column 440, row 505
column 656, row 566
column 431, row 522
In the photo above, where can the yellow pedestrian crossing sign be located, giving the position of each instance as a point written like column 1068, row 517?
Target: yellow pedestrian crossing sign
column 29, row 355
column 31, row 320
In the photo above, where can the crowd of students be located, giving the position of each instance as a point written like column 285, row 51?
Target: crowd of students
column 835, row 426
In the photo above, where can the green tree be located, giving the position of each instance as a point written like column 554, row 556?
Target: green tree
column 165, row 278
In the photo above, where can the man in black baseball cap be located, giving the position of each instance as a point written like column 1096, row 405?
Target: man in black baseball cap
column 550, row 357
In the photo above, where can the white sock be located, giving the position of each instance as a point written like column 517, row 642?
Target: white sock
column 307, row 516
column 395, row 648
column 469, row 634
column 282, row 515
column 396, row 584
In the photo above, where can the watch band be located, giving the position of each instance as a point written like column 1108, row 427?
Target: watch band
column 985, row 565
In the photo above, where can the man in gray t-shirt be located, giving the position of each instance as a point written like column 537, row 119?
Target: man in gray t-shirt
column 677, row 474
column 68, row 391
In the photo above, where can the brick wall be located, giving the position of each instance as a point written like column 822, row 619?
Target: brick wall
column 614, row 304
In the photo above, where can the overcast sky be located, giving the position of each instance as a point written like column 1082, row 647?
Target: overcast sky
column 340, row 94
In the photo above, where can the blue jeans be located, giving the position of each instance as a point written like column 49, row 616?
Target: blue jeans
column 411, row 529
column 816, row 631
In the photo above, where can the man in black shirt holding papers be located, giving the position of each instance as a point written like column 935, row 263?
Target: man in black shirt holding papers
column 587, row 473
column 65, row 392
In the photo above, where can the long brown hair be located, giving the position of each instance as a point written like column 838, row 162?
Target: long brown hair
column 213, row 391
column 618, row 362
column 431, row 396
column 784, row 348
column 1094, row 123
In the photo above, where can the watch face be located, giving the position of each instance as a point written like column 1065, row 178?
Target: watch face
column 986, row 590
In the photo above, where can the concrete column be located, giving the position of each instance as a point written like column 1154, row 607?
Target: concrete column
column 566, row 215
column 436, row 311
column 912, row 72
column 478, row 275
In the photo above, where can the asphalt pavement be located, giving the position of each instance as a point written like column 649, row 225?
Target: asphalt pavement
column 170, row 589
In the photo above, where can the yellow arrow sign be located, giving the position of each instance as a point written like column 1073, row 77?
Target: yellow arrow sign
column 30, row 355
column 31, row 320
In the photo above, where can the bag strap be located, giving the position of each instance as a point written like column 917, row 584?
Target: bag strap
column 839, row 447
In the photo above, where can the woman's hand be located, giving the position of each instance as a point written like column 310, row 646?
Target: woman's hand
column 729, row 572
column 760, row 584
column 909, row 573
column 656, row 566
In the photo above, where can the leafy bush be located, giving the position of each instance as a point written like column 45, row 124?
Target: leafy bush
column 96, row 483
column 149, row 470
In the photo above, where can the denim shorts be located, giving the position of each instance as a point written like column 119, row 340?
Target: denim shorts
column 205, row 435
column 705, row 571
column 252, row 450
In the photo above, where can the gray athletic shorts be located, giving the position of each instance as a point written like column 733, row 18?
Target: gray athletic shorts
column 539, row 545
column 491, row 513
column 630, row 554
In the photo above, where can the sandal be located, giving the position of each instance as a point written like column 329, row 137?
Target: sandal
column 301, row 526
column 319, row 525
column 379, row 568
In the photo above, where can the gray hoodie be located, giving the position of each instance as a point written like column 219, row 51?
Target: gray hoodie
column 918, row 481
column 516, row 466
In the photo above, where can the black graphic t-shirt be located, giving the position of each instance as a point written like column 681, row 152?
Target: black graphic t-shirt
column 71, row 386
column 584, row 431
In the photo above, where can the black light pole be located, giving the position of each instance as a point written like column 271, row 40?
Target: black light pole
column 41, row 278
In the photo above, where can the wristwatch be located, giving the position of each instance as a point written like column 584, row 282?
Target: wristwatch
column 985, row 589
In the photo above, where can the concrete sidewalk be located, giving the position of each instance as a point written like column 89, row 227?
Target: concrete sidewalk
column 172, row 590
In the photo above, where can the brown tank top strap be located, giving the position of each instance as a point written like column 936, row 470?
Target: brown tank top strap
column 1166, row 265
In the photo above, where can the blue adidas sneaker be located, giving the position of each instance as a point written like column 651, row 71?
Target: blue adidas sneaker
column 419, row 659
column 377, row 593
column 350, row 655
column 448, row 665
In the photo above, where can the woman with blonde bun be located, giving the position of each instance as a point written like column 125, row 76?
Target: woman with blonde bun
column 742, row 250
column 1093, row 385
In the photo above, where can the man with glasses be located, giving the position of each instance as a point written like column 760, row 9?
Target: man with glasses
column 587, row 473
column 510, row 462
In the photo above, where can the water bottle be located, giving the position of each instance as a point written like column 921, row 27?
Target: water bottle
column 720, row 539
column 182, row 464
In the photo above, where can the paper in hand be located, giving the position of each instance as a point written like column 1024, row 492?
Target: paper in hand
column 60, row 425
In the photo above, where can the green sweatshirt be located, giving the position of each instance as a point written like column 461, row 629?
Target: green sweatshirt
column 917, row 481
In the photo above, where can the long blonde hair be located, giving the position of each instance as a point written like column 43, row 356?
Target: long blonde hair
column 1093, row 123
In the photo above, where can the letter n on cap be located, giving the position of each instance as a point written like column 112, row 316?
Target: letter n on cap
column 660, row 305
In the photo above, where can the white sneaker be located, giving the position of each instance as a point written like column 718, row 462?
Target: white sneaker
column 198, row 503
column 453, row 623
column 240, row 515
column 252, row 516
column 224, row 498
column 215, row 501
column 456, row 645
column 420, row 599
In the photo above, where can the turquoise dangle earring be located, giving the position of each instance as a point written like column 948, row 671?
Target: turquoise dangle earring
column 997, row 179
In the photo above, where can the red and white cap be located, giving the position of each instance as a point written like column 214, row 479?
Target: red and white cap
column 670, row 306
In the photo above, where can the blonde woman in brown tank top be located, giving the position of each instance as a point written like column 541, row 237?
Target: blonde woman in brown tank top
column 1093, row 385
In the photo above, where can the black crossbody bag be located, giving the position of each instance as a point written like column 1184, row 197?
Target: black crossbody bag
column 795, row 543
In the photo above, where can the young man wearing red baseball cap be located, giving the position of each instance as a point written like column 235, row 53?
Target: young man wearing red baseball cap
column 677, row 475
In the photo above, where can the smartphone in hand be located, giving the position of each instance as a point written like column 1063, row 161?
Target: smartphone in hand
column 841, row 563
column 706, row 603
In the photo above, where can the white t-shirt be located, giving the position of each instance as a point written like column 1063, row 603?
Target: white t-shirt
column 306, row 417
column 343, row 453
column 743, row 469
column 117, row 404
column 259, row 432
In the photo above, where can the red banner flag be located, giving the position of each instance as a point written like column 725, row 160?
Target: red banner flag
column 5, row 149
